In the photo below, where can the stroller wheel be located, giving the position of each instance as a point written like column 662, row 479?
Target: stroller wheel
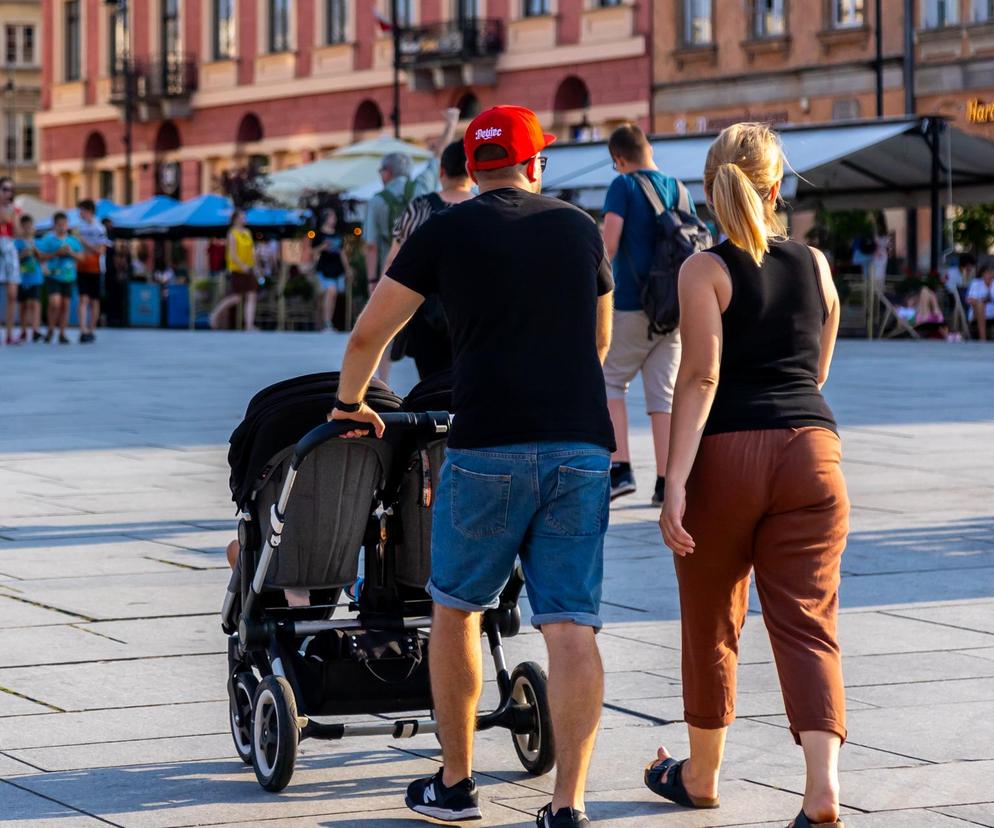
column 274, row 733
column 241, row 695
column 536, row 748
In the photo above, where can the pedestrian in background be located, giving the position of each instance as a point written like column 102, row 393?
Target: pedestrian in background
column 754, row 481
column 93, row 236
column 630, row 235
column 241, row 269
column 332, row 267
column 10, row 268
column 29, row 292
column 426, row 338
column 60, row 252
column 527, row 290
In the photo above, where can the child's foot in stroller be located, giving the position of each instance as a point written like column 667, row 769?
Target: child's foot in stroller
column 563, row 818
column 431, row 798
column 231, row 552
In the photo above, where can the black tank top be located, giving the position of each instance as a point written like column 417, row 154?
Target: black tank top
column 772, row 342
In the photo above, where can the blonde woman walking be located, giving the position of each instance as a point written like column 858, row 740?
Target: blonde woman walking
column 754, row 482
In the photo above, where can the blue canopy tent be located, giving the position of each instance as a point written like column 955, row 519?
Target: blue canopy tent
column 209, row 215
column 104, row 208
column 127, row 220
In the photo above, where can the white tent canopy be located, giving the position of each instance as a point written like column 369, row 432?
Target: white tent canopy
column 872, row 164
column 351, row 170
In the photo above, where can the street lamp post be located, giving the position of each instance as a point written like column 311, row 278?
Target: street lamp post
column 127, row 70
column 395, row 31
column 879, row 39
column 10, row 89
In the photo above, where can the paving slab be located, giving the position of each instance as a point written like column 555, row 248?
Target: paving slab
column 15, row 613
column 12, row 705
column 112, row 556
column 982, row 814
column 23, row 809
column 976, row 616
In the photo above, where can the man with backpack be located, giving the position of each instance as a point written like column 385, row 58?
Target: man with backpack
column 399, row 189
column 650, row 228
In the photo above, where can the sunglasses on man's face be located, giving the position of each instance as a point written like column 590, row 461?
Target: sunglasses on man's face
column 543, row 162
column 6, row 189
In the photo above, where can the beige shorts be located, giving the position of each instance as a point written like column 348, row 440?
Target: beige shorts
column 632, row 351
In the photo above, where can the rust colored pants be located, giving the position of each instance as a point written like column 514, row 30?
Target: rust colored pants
column 773, row 502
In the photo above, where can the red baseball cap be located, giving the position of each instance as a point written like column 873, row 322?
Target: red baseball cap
column 514, row 128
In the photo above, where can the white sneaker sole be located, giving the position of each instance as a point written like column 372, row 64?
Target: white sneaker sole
column 621, row 491
column 445, row 814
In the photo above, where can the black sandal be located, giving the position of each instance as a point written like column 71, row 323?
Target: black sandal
column 673, row 788
column 802, row 821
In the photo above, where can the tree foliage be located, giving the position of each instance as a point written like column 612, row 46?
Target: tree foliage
column 973, row 228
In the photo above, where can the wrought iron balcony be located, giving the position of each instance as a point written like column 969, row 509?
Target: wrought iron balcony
column 456, row 40
column 455, row 53
column 158, row 88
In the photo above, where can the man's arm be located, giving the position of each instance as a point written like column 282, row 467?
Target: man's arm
column 605, row 316
column 613, row 227
column 388, row 310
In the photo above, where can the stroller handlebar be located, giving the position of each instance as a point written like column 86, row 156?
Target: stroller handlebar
column 428, row 423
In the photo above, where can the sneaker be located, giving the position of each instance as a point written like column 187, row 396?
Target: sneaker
column 431, row 798
column 563, row 818
column 63, row 339
column 49, row 335
column 659, row 495
column 622, row 480
column 86, row 337
column 37, row 336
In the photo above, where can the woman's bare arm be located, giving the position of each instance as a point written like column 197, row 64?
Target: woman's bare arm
column 830, row 329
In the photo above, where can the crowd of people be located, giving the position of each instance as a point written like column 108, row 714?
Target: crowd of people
column 60, row 261
column 747, row 452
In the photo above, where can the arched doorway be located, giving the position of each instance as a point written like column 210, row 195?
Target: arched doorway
column 249, row 129
column 571, row 106
column 250, row 132
column 368, row 118
column 96, row 183
column 167, row 169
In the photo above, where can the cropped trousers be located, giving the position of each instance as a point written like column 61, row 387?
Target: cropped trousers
column 771, row 502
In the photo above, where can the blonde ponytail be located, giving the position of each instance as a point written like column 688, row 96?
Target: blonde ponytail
column 740, row 210
column 743, row 166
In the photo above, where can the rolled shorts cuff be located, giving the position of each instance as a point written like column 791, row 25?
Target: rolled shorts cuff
column 819, row 725
column 581, row 619
column 708, row 722
column 453, row 602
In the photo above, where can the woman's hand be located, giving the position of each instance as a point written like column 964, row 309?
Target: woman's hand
column 364, row 415
column 671, row 521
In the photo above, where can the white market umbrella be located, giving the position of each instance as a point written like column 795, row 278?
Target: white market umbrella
column 352, row 168
column 36, row 208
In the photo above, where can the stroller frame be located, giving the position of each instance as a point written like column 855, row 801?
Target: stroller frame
column 265, row 724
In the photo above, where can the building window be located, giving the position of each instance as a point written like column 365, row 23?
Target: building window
column 117, row 44
column 279, row 25
column 537, row 8
column 697, row 29
column 107, row 184
column 936, row 14
column 982, row 11
column 10, row 40
column 28, row 136
column 73, row 41
column 405, row 13
column 171, row 38
column 10, row 144
column 28, row 44
column 335, row 23
column 607, row 4
column 769, row 19
column 224, row 29
column 848, row 14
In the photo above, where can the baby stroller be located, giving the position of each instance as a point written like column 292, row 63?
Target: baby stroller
column 309, row 502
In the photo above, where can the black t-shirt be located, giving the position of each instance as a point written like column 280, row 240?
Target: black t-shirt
column 329, row 262
column 519, row 275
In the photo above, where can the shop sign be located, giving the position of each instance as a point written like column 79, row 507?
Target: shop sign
column 979, row 112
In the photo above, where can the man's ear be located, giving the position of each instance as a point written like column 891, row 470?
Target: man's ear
column 530, row 170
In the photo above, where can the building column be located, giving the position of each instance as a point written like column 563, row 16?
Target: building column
column 190, row 178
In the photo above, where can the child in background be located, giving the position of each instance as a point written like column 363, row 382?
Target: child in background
column 29, row 292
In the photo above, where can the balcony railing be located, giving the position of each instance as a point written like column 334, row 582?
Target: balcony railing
column 169, row 78
column 457, row 41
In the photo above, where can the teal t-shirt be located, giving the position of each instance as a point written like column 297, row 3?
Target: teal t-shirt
column 60, row 268
column 30, row 266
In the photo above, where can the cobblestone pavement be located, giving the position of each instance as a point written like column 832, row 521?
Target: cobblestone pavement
column 114, row 511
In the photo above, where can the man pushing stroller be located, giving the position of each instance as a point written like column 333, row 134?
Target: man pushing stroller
column 527, row 290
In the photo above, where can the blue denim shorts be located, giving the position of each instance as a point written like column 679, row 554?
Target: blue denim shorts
column 545, row 502
column 337, row 282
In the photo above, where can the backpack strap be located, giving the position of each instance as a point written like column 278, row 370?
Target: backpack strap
column 683, row 199
column 650, row 193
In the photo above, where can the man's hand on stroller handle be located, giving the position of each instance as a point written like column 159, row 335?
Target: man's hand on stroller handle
column 365, row 414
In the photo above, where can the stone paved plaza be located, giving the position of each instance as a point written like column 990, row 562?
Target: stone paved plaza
column 114, row 511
